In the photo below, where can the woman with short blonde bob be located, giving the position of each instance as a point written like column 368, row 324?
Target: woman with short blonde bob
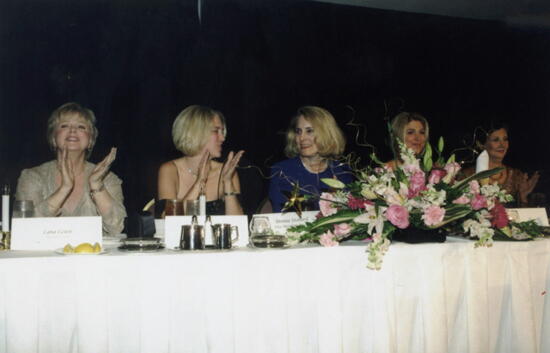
column 411, row 129
column 313, row 143
column 199, row 132
column 70, row 185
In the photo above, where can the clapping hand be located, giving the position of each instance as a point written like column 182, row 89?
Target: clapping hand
column 65, row 166
column 527, row 185
column 101, row 170
column 229, row 166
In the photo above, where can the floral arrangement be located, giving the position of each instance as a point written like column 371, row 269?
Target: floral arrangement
column 418, row 194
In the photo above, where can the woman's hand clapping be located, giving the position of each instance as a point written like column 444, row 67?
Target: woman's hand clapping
column 527, row 185
column 65, row 166
column 229, row 166
column 101, row 170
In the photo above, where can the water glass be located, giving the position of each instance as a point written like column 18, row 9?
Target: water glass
column 23, row 209
column 260, row 226
column 192, row 207
column 173, row 208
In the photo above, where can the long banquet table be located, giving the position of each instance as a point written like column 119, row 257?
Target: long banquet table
column 427, row 298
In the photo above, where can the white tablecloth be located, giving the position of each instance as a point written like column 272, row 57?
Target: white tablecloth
column 427, row 298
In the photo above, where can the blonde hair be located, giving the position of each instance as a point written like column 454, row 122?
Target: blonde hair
column 329, row 138
column 398, row 127
column 72, row 108
column 192, row 126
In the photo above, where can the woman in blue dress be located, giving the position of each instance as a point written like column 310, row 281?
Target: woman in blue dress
column 313, row 144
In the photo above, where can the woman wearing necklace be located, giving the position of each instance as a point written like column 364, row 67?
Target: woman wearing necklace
column 69, row 185
column 517, row 183
column 412, row 129
column 199, row 132
column 313, row 142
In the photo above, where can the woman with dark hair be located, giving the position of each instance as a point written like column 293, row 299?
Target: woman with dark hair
column 313, row 143
column 70, row 185
column 496, row 143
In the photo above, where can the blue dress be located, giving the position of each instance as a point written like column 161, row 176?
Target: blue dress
column 292, row 170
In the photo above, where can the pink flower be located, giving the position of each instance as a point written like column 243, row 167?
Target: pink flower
column 356, row 203
column 325, row 204
column 411, row 168
column 499, row 216
column 342, row 229
column 436, row 175
column 327, row 239
column 398, row 216
column 433, row 215
column 462, row 200
column 478, row 202
column 451, row 169
column 417, row 184
column 474, row 187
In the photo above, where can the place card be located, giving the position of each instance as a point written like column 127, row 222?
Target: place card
column 280, row 222
column 172, row 228
column 50, row 233
column 526, row 214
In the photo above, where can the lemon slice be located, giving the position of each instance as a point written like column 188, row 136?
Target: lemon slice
column 97, row 248
column 84, row 248
column 68, row 249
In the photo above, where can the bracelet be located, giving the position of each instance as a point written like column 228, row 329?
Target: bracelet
column 232, row 193
column 95, row 191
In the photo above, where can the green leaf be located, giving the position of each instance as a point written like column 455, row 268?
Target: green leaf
column 333, row 183
column 440, row 144
column 341, row 216
column 481, row 175
column 451, row 159
column 427, row 161
column 375, row 159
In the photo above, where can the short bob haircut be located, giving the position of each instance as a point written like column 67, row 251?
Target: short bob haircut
column 70, row 109
column 192, row 128
column 398, row 125
column 329, row 138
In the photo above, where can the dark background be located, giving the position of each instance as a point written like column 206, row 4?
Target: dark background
column 136, row 64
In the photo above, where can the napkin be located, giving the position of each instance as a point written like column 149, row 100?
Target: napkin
column 482, row 162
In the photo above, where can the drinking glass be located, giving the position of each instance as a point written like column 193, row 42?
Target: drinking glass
column 23, row 209
column 173, row 208
column 260, row 226
column 192, row 207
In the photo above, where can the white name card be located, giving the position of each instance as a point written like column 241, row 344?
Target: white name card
column 280, row 222
column 50, row 233
column 527, row 214
column 172, row 228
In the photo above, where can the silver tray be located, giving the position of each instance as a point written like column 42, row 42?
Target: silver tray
column 268, row 241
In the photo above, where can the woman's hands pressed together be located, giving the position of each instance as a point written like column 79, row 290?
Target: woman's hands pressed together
column 66, row 170
column 228, row 170
column 101, row 170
